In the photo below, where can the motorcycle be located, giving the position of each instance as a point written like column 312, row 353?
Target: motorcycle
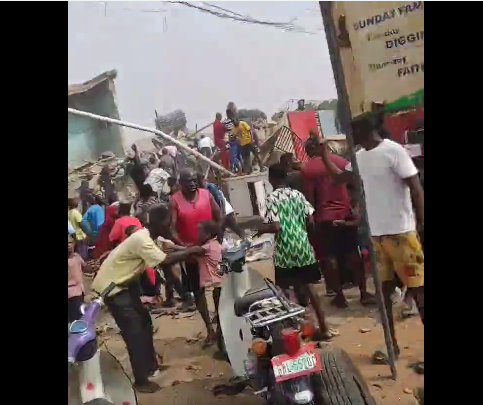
column 95, row 376
column 265, row 335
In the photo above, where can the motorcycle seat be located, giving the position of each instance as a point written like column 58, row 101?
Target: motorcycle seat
column 233, row 256
column 237, row 253
column 242, row 304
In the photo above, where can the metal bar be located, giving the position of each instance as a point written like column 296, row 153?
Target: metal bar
column 197, row 131
column 345, row 117
column 153, row 131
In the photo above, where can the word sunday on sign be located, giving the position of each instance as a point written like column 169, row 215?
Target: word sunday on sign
column 387, row 46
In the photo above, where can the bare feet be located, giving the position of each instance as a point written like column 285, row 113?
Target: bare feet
column 326, row 336
column 339, row 301
column 368, row 299
column 210, row 339
column 169, row 304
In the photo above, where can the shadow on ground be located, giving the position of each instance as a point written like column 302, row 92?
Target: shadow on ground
column 198, row 392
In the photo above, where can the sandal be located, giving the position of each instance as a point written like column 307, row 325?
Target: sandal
column 209, row 341
column 380, row 355
column 409, row 312
column 328, row 336
column 330, row 293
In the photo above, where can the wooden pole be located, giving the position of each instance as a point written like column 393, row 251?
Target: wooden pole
column 199, row 130
column 345, row 117
column 153, row 131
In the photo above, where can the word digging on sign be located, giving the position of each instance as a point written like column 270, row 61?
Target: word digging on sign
column 405, row 40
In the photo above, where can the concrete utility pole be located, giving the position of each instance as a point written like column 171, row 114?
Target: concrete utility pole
column 153, row 131
column 345, row 117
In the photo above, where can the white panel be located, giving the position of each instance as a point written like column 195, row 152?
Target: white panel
column 240, row 199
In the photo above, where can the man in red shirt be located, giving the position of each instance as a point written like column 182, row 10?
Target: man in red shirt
column 118, row 232
column 219, row 137
column 336, row 240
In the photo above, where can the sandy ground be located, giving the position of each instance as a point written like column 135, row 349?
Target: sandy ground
column 190, row 372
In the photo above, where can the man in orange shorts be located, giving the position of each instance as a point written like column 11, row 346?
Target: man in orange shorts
column 393, row 195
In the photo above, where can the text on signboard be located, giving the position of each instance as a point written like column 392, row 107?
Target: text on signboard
column 395, row 61
column 409, row 70
column 405, row 40
column 401, row 11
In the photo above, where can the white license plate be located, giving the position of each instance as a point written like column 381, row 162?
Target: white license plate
column 286, row 368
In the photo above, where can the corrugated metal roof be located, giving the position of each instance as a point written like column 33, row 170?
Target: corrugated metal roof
column 74, row 89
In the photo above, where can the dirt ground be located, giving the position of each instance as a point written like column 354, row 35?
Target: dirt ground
column 190, row 372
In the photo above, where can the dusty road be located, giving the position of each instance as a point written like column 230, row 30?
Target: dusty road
column 191, row 372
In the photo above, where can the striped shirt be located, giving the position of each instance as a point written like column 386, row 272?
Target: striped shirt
column 228, row 124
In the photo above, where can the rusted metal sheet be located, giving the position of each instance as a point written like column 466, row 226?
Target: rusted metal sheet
column 74, row 89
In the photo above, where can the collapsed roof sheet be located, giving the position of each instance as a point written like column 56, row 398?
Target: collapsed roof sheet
column 74, row 89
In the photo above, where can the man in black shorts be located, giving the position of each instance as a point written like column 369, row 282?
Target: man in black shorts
column 336, row 237
column 288, row 216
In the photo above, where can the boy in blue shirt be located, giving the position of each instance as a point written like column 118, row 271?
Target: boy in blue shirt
column 93, row 218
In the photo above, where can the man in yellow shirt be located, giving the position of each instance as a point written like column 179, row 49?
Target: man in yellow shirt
column 122, row 267
column 245, row 137
column 75, row 218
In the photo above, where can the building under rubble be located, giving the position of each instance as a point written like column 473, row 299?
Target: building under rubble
column 88, row 138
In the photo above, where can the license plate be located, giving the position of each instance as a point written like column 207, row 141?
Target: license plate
column 304, row 362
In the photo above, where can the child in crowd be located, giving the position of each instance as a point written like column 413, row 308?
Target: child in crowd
column 75, row 285
column 210, row 276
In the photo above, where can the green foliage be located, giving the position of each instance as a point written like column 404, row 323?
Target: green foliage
column 250, row 115
column 324, row 105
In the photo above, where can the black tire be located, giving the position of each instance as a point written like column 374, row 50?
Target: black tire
column 339, row 382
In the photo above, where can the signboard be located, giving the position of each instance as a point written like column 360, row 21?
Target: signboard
column 387, row 52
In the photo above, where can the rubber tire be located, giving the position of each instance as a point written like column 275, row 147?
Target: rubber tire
column 339, row 382
column 99, row 401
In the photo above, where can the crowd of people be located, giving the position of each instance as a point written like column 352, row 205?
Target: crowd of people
column 312, row 212
column 237, row 144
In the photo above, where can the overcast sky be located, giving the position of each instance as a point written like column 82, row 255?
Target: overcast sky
column 183, row 58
